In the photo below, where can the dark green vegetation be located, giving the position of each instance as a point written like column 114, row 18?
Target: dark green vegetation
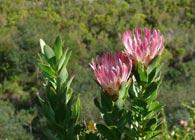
column 88, row 28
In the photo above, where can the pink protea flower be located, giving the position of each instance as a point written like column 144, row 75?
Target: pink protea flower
column 143, row 45
column 111, row 70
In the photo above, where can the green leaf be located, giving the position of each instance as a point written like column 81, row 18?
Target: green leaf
column 151, row 91
column 154, row 106
column 69, row 107
column 123, row 121
column 47, row 69
column 64, row 59
column 48, row 111
column 42, row 44
column 141, row 103
column 51, row 95
column 149, row 124
column 106, row 102
column 155, row 134
column 48, row 51
column 69, row 82
column 76, row 109
column 63, row 76
column 155, row 76
column 142, row 73
column 97, row 104
column 59, row 106
column 67, row 58
column 123, row 93
column 130, row 133
column 108, row 118
column 152, row 75
column 58, row 47
column 69, row 93
column 154, row 64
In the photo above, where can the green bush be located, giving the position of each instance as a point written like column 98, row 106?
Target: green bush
column 12, row 123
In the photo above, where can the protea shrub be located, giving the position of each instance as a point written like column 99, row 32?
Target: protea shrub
column 113, row 73
column 134, row 114
column 144, row 46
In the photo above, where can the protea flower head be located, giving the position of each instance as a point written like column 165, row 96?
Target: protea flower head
column 143, row 45
column 111, row 70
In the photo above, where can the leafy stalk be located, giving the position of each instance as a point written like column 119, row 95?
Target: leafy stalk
column 145, row 107
column 60, row 107
column 115, row 115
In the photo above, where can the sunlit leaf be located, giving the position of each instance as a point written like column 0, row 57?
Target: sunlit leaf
column 48, row 52
column 63, row 75
column 42, row 44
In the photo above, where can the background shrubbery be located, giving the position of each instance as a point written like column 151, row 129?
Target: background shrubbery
column 88, row 28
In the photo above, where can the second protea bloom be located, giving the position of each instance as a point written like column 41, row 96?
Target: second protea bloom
column 111, row 70
column 143, row 45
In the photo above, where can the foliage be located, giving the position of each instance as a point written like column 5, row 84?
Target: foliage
column 61, row 106
column 129, row 105
column 145, row 106
column 14, row 90
column 12, row 122
column 133, row 116
column 114, row 115
column 184, row 130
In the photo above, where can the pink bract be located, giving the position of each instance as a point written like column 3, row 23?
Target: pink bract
column 111, row 70
column 143, row 45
